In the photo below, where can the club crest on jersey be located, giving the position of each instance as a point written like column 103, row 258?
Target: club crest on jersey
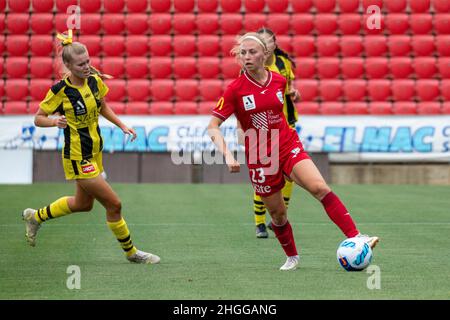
column 249, row 102
column 280, row 96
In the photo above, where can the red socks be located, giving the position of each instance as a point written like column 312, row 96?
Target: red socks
column 339, row 214
column 286, row 238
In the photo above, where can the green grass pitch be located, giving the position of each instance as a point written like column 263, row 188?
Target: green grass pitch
column 206, row 239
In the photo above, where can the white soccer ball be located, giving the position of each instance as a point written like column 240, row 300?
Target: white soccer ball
column 354, row 254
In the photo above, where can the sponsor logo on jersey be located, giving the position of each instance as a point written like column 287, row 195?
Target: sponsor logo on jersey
column 261, row 189
column 86, row 166
column 249, row 102
column 264, row 91
column 295, row 152
column 280, row 96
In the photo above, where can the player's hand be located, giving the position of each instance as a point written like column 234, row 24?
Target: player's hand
column 60, row 122
column 295, row 96
column 234, row 166
column 130, row 131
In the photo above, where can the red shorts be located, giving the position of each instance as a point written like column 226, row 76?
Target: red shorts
column 265, row 182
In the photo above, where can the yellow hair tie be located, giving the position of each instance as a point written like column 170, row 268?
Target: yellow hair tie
column 65, row 39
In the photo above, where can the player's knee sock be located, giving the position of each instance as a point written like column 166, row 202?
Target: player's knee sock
column 120, row 230
column 286, row 238
column 339, row 214
column 56, row 209
column 259, row 209
column 287, row 193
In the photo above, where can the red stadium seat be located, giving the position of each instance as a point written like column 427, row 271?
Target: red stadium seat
column 33, row 106
column 16, row 89
column 137, row 108
column 397, row 23
column 445, row 89
column 183, row 5
column 401, row 67
column 404, row 108
column 136, row 6
column 351, row 46
column 117, row 90
column 302, row 23
column 160, row 67
column 403, row 90
column 208, row 46
column 137, row 23
column 138, row 90
column 356, row 108
column 206, row 107
column 117, row 107
column 445, row 108
column 278, row 6
column 308, row 89
column 209, row 67
column 423, row 45
column 184, row 23
column 306, row 69
column 231, row 23
column 186, row 90
column 114, row 66
column 160, row 5
column 254, row 5
column 3, row 5
column 254, row 21
column 162, row 90
column 427, row 90
column 395, row 5
column 327, row 46
column 93, row 44
column 355, row 90
column 441, row 6
column 367, row 3
column 374, row 23
column 419, row 5
column 184, row 67
column 352, row 68
column 114, row 46
column 425, row 67
column 17, row 23
column 15, row 107
column 332, row 108
column 45, row 5
column 330, row 90
column 136, row 45
column 230, row 68
column 442, row 23
column 41, row 45
column 279, row 23
column 160, row 45
column 62, row 5
column 114, row 23
column 328, row 68
column 301, row 5
column 2, row 47
column 444, row 67
column 348, row 6
column 161, row 108
column 324, row 5
column 443, row 45
column 185, row 108
column 19, row 5
column 16, row 67
column 230, row 5
column 227, row 43
column 380, row 108
column 349, row 23
column 376, row 68
column 375, row 46
column 60, row 22
column 39, row 88
column 429, row 108
column 17, row 45
column 91, row 23
column 41, row 23
column 88, row 6
column 113, row 6
column 399, row 45
column 207, row 23
column 136, row 67
column 285, row 43
column 379, row 90
column 325, row 23
column 303, row 46
column 308, row 107
column 207, row 5
column 421, row 23
column 160, row 23
column 184, row 46
column 210, row 90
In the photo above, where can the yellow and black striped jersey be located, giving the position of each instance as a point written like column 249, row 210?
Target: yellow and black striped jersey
column 81, row 106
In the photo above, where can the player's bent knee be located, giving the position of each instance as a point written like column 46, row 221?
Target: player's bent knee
column 319, row 189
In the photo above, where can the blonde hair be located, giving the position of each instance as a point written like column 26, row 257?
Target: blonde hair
column 249, row 36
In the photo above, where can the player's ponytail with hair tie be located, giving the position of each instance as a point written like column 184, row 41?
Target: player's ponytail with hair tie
column 65, row 39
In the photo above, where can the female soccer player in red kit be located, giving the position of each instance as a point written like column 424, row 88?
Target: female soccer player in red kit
column 273, row 149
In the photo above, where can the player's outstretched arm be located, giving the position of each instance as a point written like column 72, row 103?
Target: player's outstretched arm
column 218, row 139
column 111, row 116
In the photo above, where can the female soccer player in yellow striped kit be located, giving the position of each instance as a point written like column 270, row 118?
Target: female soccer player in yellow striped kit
column 78, row 99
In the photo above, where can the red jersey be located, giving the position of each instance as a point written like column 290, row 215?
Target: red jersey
column 259, row 109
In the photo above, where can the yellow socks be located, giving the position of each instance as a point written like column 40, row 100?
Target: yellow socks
column 120, row 230
column 56, row 209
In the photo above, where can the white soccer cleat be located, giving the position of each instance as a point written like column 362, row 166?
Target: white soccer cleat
column 144, row 257
column 31, row 226
column 371, row 241
column 290, row 264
